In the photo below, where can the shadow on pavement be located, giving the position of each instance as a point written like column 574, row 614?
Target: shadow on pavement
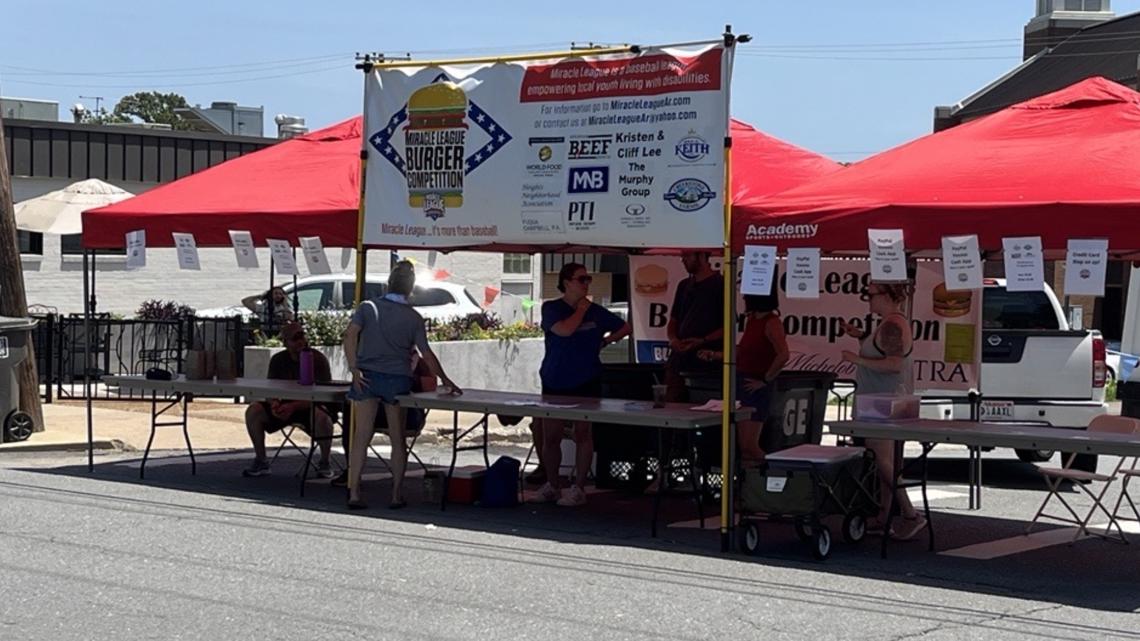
column 1087, row 574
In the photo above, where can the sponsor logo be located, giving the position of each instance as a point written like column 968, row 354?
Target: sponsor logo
column 595, row 147
column 994, row 340
column 544, row 150
column 438, row 149
column 588, row 180
column 635, row 209
column 781, row 231
column 691, row 148
column 581, row 214
column 689, row 194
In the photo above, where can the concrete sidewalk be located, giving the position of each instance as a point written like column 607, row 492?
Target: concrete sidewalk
column 214, row 425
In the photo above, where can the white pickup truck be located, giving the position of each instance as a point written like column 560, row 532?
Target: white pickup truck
column 1035, row 369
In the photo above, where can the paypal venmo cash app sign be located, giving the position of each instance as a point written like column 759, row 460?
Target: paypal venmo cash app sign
column 619, row 150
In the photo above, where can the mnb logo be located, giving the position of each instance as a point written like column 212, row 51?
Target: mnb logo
column 589, row 180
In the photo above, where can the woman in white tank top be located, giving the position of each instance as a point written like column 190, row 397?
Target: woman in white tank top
column 883, row 366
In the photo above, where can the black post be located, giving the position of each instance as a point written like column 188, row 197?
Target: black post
column 87, row 365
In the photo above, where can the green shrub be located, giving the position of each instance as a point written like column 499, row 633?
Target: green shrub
column 156, row 309
column 325, row 328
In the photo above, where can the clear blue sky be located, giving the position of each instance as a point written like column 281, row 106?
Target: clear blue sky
column 842, row 77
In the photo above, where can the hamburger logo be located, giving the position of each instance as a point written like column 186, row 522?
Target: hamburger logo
column 435, row 142
column 651, row 279
column 439, row 123
column 950, row 304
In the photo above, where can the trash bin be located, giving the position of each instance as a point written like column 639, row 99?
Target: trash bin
column 15, row 339
column 1128, row 393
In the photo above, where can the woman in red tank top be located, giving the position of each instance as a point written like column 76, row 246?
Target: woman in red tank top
column 760, row 356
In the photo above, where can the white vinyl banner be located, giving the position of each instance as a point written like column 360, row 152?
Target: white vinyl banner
column 946, row 324
column 619, row 150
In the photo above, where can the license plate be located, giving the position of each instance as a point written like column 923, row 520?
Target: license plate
column 997, row 410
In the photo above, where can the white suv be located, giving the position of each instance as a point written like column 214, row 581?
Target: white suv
column 434, row 300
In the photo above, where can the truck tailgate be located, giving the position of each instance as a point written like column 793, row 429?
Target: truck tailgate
column 1050, row 364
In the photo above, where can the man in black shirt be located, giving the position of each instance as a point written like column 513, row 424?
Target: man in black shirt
column 696, row 322
column 267, row 417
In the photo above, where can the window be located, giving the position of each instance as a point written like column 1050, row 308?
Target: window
column 431, row 297
column 371, row 290
column 314, row 297
column 1093, row 5
column 1002, row 309
column 516, row 264
column 524, row 290
column 31, row 242
column 72, row 245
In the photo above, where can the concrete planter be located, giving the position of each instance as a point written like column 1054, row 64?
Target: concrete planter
column 510, row 366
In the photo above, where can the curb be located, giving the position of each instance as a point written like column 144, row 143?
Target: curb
column 114, row 445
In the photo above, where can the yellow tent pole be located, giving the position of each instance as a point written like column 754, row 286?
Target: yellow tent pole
column 361, row 266
column 728, row 380
column 522, row 57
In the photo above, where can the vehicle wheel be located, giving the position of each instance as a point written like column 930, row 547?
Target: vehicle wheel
column 749, row 538
column 1034, row 456
column 821, row 543
column 854, row 528
column 19, row 426
column 803, row 531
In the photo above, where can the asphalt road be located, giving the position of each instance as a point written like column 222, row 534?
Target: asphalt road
column 105, row 556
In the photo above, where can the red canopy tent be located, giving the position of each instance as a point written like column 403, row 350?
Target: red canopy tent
column 307, row 186
column 310, row 186
column 1060, row 166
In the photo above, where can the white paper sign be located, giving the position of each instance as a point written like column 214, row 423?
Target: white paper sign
column 888, row 255
column 759, row 267
column 282, row 256
column 315, row 258
column 961, row 262
column 136, row 249
column 244, row 250
column 187, row 251
column 1024, row 264
column 1085, row 266
column 803, row 273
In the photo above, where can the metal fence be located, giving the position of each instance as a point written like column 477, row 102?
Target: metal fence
column 65, row 351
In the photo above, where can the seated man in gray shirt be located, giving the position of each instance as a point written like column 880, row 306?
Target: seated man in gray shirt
column 378, row 347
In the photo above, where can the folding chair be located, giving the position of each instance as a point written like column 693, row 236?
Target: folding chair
column 287, row 439
column 1128, row 474
column 1054, row 477
column 413, row 428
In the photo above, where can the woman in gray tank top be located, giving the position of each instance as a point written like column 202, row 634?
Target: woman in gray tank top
column 883, row 366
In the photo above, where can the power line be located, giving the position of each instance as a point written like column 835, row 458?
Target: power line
column 208, row 68
column 179, row 85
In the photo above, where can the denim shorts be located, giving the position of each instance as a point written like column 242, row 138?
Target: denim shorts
column 759, row 400
column 385, row 387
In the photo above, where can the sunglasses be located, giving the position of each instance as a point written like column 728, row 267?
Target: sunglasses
column 585, row 280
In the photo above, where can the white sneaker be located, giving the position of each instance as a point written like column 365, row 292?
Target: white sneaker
column 546, row 494
column 574, row 497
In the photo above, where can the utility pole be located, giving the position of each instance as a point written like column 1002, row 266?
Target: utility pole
column 13, row 299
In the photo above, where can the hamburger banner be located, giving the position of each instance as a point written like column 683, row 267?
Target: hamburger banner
column 617, row 150
column 946, row 324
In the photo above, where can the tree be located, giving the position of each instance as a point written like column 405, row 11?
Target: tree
column 150, row 106
column 14, row 300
